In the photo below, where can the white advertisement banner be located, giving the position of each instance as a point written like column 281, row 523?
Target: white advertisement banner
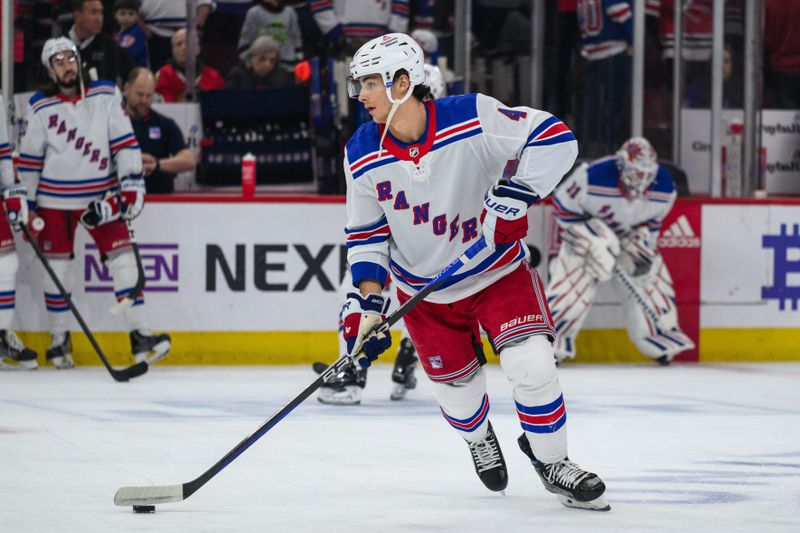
column 780, row 140
column 221, row 267
column 751, row 276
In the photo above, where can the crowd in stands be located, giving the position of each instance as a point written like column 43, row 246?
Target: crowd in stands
column 259, row 44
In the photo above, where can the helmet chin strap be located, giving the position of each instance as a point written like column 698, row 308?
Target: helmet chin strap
column 395, row 104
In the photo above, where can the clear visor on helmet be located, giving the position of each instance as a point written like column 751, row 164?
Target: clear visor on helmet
column 63, row 58
column 365, row 84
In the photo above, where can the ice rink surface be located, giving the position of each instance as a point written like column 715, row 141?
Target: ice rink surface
column 686, row 448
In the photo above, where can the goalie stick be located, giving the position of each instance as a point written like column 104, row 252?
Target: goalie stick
column 130, row 299
column 122, row 375
column 153, row 495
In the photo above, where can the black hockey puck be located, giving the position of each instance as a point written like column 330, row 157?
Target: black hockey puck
column 144, row 508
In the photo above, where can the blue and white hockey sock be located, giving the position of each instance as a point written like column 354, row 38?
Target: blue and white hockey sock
column 531, row 370
column 465, row 405
column 122, row 267
column 9, row 263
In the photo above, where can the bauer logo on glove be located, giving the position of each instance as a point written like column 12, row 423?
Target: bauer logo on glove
column 360, row 314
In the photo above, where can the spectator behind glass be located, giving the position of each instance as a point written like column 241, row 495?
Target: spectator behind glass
column 171, row 78
column 165, row 17
column 272, row 18
column 258, row 70
column 782, row 43
column 698, row 94
column 101, row 56
column 130, row 36
column 164, row 152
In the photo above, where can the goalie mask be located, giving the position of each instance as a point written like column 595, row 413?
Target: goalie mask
column 385, row 56
column 637, row 164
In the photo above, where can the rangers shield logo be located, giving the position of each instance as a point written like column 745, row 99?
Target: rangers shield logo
column 436, row 361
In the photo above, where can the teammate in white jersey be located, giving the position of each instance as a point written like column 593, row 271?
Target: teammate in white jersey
column 422, row 186
column 13, row 354
column 610, row 213
column 81, row 163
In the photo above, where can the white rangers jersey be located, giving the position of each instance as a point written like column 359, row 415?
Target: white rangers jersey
column 6, row 163
column 70, row 151
column 594, row 190
column 413, row 208
column 361, row 19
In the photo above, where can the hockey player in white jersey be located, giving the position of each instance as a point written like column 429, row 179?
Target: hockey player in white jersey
column 13, row 354
column 423, row 184
column 610, row 213
column 81, row 163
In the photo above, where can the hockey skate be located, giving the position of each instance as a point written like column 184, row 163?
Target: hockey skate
column 149, row 347
column 489, row 462
column 345, row 388
column 60, row 351
column 14, row 354
column 573, row 486
column 403, row 374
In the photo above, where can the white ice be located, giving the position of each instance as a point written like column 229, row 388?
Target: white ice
column 686, row 448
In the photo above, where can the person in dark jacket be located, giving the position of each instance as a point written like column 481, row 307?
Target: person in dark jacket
column 101, row 56
column 259, row 70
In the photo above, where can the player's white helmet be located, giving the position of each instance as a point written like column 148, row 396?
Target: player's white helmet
column 427, row 40
column 638, row 164
column 385, row 55
column 435, row 80
column 57, row 45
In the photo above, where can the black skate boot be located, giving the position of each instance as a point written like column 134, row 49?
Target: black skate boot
column 403, row 373
column 60, row 351
column 149, row 347
column 14, row 354
column 345, row 388
column 573, row 486
column 489, row 463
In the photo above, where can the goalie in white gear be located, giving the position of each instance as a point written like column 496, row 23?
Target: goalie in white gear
column 610, row 213
column 81, row 163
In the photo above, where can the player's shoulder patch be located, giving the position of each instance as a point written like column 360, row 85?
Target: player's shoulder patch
column 40, row 101
column 663, row 182
column 454, row 110
column 512, row 114
column 603, row 172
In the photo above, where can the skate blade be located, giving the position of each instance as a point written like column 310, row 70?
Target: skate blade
column 63, row 363
column 349, row 396
column 158, row 353
column 398, row 392
column 598, row 504
column 13, row 364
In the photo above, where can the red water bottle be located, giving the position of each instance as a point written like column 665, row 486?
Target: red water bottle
column 248, row 175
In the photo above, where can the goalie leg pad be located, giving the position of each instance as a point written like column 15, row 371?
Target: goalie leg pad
column 662, row 336
column 58, row 312
column 570, row 293
column 122, row 266
column 9, row 264
column 530, row 368
column 465, row 405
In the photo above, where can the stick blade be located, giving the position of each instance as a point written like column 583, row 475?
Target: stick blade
column 127, row 496
column 131, row 372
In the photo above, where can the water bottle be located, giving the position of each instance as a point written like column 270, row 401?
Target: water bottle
column 248, row 175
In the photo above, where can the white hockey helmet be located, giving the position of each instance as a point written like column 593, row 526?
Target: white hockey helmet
column 57, row 45
column 435, row 80
column 386, row 55
column 427, row 40
column 638, row 164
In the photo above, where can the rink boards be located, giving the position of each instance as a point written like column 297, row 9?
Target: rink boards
column 256, row 282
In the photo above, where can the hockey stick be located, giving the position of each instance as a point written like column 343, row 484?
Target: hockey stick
column 148, row 496
column 626, row 281
column 130, row 299
column 119, row 375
